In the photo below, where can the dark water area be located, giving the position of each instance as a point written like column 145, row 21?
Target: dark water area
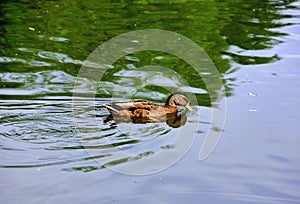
column 45, row 157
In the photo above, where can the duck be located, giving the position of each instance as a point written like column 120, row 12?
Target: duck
column 144, row 111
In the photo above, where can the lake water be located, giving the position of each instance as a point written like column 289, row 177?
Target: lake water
column 56, row 148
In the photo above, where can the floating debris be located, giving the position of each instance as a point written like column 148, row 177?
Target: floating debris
column 31, row 28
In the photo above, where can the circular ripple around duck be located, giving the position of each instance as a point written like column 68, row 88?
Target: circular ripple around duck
column 36, row 122
column 35, row 133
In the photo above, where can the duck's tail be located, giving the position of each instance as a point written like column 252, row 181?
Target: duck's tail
column 110, row 108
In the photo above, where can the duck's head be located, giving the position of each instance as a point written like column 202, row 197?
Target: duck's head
column 179, row 99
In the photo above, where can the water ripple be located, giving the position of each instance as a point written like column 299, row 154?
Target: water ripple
column 41, row 132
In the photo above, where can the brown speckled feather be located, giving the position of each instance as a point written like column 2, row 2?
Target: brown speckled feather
column 147, row 110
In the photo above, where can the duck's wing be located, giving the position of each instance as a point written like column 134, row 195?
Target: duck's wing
column 129, row 105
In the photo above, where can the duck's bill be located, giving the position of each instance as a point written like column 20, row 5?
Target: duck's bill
column 189, row 107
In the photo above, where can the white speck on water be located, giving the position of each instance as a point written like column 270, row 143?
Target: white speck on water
column 159, row 57
column 129, row 50
column 130, row 66
column 58, row 39
column 252, row 94
column 252, row 110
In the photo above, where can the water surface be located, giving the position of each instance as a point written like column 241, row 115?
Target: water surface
column 254, row 45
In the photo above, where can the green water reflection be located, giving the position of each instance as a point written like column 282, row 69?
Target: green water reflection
column 66, row 32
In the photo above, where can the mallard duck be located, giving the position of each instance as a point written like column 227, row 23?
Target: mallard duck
column 174, row 120
column 143, row 111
